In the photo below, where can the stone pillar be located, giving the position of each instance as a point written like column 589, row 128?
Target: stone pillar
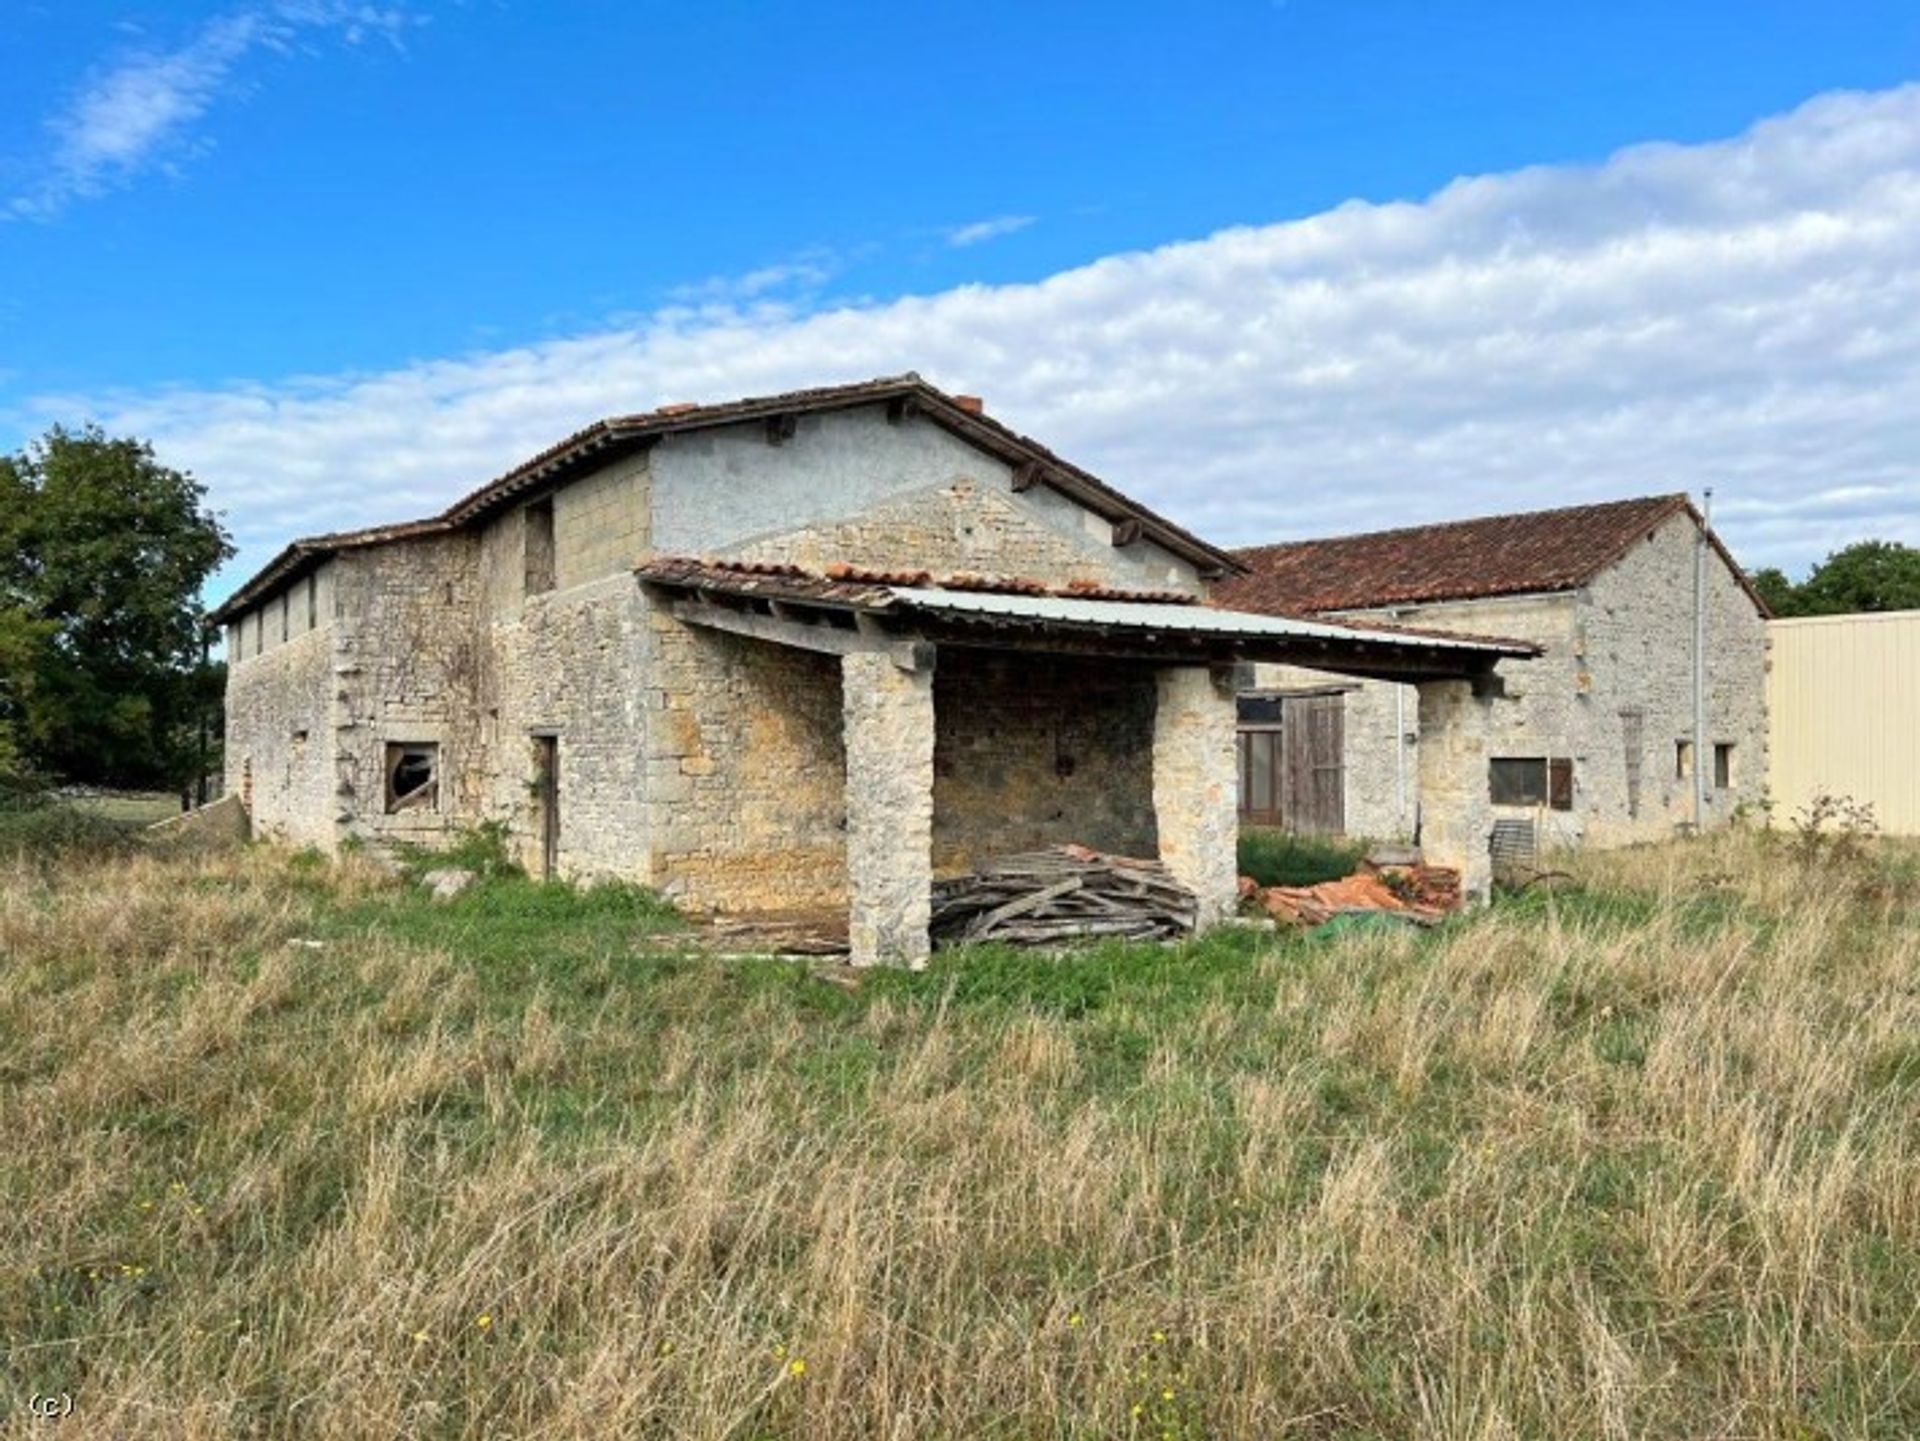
column 1456, row 812
column 1196, row 786
column 889, row 733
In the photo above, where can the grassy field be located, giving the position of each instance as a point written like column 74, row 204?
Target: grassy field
column 290, row 1151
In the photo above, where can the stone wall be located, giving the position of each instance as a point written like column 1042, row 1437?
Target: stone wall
column 568, row 662
column 280, row 739
column 305, row 605
column 1622, row 646
column 408, row 661
column 1636, row 653
column 850, row 486
column 1033, row 751
column 712, row 766
column 600, row 524
column 745, row 771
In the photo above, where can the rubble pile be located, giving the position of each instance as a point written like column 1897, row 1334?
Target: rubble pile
column 1399, row 886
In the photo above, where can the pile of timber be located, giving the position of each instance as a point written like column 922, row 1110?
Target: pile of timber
column 1063, row 894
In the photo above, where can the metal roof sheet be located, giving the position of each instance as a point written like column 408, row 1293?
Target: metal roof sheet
column 1188, row 619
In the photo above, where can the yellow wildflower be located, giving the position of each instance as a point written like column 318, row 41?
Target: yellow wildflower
column 484, row 1321
column 1076, row 1319
column 796, row 1367
column 419, row 1338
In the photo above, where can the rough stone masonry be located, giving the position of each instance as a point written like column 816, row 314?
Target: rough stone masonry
column 508, row 662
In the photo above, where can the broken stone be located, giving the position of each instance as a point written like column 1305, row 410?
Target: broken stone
column 446, row 884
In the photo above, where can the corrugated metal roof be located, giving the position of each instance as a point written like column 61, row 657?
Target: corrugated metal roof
column 1181, row 619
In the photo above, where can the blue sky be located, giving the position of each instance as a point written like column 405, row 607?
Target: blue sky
column 348, row 259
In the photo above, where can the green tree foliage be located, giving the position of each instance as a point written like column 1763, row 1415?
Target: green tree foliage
column 103, row 552
column 1869, row 575
column 1775, row 589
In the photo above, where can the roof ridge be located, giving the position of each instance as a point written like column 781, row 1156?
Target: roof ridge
column 1663, row 498
column 951, row 411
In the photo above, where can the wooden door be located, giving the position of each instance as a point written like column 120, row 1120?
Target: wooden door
column 1316, row 765
column 1293, row 763
column 546, row 786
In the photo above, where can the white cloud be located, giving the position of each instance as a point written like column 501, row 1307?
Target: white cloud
column 981, row 231
column 140, row 111
column 1743, row 314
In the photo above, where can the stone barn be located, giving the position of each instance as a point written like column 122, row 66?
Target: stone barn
column 811, row 649
column 1595, row 741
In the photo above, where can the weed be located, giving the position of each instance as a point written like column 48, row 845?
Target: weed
column 1280, row 858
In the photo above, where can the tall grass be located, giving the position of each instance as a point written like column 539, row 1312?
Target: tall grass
column 291, row 1151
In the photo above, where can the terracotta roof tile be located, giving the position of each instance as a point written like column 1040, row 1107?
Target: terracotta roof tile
column 605, row 439
column 1533, row 552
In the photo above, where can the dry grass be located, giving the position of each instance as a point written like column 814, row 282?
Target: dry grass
column 290, row 1152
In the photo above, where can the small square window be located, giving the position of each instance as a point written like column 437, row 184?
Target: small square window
column 1683, row 760
column 1517, row 780
column 1531, row 781
column 1723, row 765
column 413, row 776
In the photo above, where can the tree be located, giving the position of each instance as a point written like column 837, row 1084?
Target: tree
column 103, row 552
column 1866, row 576
column 1780, row 594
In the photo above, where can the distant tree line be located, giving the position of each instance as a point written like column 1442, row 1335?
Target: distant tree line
column 104, row 670
column 1869, row 575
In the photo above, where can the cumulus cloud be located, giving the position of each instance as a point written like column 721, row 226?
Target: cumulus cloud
column 140, row 111
column 981, row 231
column 1744, row 315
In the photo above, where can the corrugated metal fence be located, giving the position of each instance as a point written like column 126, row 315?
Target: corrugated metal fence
column 1843, row 701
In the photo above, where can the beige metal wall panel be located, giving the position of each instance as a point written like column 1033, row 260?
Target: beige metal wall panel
column 1843, row 699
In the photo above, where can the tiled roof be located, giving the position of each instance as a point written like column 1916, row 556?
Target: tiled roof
column 606, row 439
column 1530, row 553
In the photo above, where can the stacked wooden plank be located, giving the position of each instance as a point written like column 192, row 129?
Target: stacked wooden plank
column 1062, row 894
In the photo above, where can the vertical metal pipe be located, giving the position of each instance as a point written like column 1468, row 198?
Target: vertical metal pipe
column 1400, row 757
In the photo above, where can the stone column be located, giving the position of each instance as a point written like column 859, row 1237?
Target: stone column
column 889, row 733
column 1456, row 812
column 1196, row 786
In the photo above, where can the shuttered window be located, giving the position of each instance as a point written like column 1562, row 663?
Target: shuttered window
column 1531, row 781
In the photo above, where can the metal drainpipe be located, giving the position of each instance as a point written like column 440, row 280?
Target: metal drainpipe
column 1700, row 664
column 1400, row 756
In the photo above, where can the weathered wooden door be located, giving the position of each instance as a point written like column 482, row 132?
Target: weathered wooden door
column 546, row 785
column 1293, row 763
column 1315, row 796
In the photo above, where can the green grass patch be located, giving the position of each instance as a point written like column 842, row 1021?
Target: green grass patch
column 1279, row 858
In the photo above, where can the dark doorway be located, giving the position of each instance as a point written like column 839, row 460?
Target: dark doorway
column 1293, row 762
column 546, row 790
